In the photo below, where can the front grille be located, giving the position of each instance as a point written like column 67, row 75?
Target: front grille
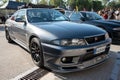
column 94, row 39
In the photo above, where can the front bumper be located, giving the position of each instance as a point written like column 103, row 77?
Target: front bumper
column 70, row 59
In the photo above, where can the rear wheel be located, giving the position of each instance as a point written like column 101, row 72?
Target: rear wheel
column 36, row 52
column 8, row 37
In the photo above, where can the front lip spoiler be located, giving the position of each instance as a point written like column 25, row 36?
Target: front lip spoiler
column 78, row 69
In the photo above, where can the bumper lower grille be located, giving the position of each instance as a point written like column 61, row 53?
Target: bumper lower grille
column 116, row 34
column 90, row 55
column 91, row 40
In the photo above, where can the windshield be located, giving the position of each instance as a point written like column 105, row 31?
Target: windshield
column 44, row 15
column 91, row 16
column 75, row 16
column 67, row 13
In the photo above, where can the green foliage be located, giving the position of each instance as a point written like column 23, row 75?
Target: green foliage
column 59, row 3
column 117, row 5
column 52, row 2
column 97, row 5
column 4, row 1
column 43, row 2
column 119, row 1
column 114, row 4
column 72, row 3
column 85, row 4
column 27, row 1
column 105, row 2
column 81, row 4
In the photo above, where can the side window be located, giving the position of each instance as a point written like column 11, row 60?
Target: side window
column 21, row 15
column 89, row 16
column 75, row 16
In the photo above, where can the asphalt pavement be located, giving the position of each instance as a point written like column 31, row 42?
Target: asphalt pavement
column 14, row 60
column 16, row 63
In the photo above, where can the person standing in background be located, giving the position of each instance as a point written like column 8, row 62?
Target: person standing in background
column 117, row 14
column 111, row 14
column 105, row 15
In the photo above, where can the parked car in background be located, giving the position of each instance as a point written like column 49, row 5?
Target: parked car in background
column 55, row 43
column 111, row 26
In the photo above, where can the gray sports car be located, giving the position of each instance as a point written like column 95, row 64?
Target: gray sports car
column 56, row 43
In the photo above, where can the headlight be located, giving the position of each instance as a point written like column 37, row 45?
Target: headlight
column 106, row 36
column 116, row 28
column 71, row 42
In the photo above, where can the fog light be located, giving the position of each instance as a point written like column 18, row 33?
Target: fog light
column 67, row 60
column 63, row 59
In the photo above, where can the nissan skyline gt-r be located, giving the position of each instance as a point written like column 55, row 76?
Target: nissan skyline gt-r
column 111, row 26
column 56, row 43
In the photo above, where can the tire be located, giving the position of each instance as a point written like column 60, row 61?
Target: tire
column 8, row 37
column 36, row 52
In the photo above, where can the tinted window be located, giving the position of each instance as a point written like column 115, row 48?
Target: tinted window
column 18, row 14
column 91, row 16
column 21, row 15
column 67, row 13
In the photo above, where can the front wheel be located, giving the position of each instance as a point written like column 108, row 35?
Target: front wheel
column 36, row 52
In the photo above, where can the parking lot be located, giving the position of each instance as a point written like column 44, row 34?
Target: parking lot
column 16, row 63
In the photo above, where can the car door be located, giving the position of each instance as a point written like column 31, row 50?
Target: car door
column 20, row 27
column 10, row 23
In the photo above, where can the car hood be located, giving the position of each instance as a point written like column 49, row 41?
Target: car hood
column 65, row 29
column 110, row 23
column 114, row 21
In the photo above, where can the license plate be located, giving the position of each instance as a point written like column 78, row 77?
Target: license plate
column 99, row 50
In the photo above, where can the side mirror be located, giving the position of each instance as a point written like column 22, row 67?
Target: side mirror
column 19, row 20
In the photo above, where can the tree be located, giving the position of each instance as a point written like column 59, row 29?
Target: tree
column 26, row 1
column 114, row 5
column 119, row 1
column 105, row 2
column 97, row 5
column 82, row 4
column 17, row 0
column 52, row 2
column 4, row 1
column 71, row 4
column 59, row 3
column 43, row 2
